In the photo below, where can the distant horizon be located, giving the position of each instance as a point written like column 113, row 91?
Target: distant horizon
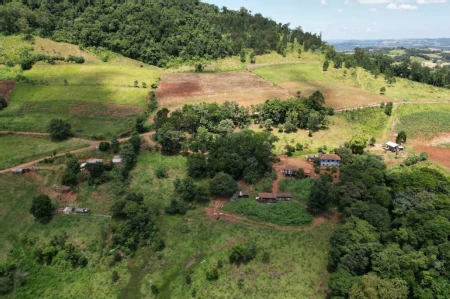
column 400, row 38
column 354, row 19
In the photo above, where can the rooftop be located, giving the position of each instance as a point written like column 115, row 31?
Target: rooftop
column 330, row 157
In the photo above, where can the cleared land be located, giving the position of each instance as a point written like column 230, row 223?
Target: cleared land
column 18, row 149
column 6, row 88
column 243, row 87
column 95, row 97
column 346, row 88
column 308, row 77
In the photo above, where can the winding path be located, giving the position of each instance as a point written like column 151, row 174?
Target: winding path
column 92, row 145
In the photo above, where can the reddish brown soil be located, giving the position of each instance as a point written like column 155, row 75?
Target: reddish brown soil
column 243, row 87
column 112, row 110
column 438, row 155
column 6, row 88
column 68, row 197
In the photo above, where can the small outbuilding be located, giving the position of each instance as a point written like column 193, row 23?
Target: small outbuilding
column 267, row 198
column 117, row 160
column 90, row 161
column 82, row 210
column 394, row 147
column 20, row 170
column 68, row 210
column 243, row 194
column 290, row 170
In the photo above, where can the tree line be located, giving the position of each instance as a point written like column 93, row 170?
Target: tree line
column 379, row 63
column 394, row 242
column 154, row 31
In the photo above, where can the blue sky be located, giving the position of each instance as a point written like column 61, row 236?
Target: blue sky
column 356, row 19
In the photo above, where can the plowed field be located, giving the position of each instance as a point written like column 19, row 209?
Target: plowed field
column 243, row 87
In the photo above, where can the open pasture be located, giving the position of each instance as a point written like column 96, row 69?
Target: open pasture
column 309, row 77
column 243, row 87
column 19, row 149
column 95, row 97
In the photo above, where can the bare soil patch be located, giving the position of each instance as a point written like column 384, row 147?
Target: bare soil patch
column 438, row 155
column 6, row 88
column 337, row 95
column 112, row 110
column 243, row 87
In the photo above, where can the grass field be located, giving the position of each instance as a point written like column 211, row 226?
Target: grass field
column 19, row 149
column 423, row 121
column 299, row 188
column 370, row 121
column 397, row 52
column 282, row 213
column 347, row 87
column 95, row 97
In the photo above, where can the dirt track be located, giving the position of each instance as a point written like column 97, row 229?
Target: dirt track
column 92, row 145
column 215, row 213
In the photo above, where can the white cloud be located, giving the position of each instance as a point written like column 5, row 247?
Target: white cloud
column 373, row 10
column 374, row 1
column 394, row 6
column 347, row 2
column 340, row 10
column 430, row 1
column 324, row 2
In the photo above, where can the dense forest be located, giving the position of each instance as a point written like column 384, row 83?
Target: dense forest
column 394, row 242
column 156, row 31
column 380, row 63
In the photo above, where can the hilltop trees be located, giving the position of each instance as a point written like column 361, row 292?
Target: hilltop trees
column 222, row 33
column 401, row 137
column 358, row 143
column 223, row 184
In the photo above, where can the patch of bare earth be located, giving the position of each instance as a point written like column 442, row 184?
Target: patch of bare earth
column 6, row 88
column 243, row 87
column 337, row 95
column 440, row 155
column 112, row 110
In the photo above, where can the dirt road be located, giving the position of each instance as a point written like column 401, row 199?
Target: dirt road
column 92, row 145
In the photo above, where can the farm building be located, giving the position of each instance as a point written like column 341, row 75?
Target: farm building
column 243, row 194
column 273, row 197
column 82, row 210
column 330, row 160
column 20, row 170
column 310, row 158
column 394, row 147
column 117, row 159
column 90, row 161
column 290, row 170
column 67, row 210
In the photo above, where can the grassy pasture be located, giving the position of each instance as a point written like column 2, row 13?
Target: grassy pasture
column 370, row 121
column 198, row 244
column 402, row 90
column 282, row 213
column 291, row 73
column 19, row 149
column 105, row 90
column 397, row 52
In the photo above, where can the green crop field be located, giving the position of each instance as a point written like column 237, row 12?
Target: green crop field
column 95, row 97
column 417, row 59
column 370, row 121
column 425, row 121
column 397, row 52
column 299, row 188
column 302, row 72
column 19, row 149
column 282, row 213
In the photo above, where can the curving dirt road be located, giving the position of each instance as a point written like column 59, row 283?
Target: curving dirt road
column 92, row 145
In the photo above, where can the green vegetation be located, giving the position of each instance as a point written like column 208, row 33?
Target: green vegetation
column 282, row 213
column 371, row 121
column 299, row 188
column 27, row 148
column 426, row 124
column 180, row 39
column 301, row 72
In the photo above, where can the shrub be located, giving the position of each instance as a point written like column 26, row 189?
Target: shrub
column 42, row 208
column 241, row 253
column 115, row 277
column 176, row 207
column 223, row 184
column 3, row 103
column 212, row 274
column 155, row 289
column 388, row 108
column 161, row 171
column 104, row 146
column 58, row 129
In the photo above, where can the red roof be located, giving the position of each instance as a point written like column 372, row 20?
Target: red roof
column 330, row 157
column 267, row 195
